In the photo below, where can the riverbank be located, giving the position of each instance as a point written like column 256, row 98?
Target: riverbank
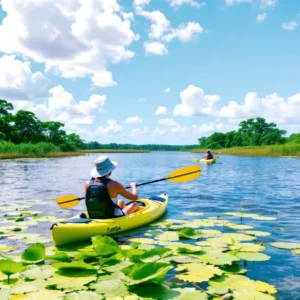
column 114, row 151
column 288, row 150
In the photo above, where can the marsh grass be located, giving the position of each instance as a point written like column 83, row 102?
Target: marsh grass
column 290, row 149
column 27, row 150
column 114, row 151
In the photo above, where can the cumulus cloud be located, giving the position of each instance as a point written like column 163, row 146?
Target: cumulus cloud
column 156, row 48
column 168, row 122
column 160, row 24
column 262, row 4
column 112, row 128
column 261, row 17
column 17, row 81
column 185, row 32
column 195, row 103
column 267, row 3
column 139, row 131
column 159, row 131
column 73, row 38
column 167, row 90
column 272, row 107
column 232, row 2
column 176, row 3
column 140, row 3
column 133, row 120
column 206, row 129
column 161, row 110
column 62, row 107
column 289, row 26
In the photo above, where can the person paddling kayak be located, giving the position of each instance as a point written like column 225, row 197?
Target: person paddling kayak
column 208, row 155
column 101, row 192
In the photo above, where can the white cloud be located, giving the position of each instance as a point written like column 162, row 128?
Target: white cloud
column 192, row 3
column 290, row 25
column 206, row 129
column 73, row 38
column 140, row 3
column 155, row 48
column 267, row 3
column 261, row 17
column 232, row 2
column 194, row 102
column 112, row 128
column 262, row 4
column 271, row 107
column 161, row 110
column 159, row 131
column 168, row 122
column 133, row 120
column 167, row 90
column 17, row 81
column 185, row 32
column 139, row 131
column 62, row 107
column 160, row 24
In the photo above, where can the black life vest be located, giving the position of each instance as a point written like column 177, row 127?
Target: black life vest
column 209, row 156
column 98, row 202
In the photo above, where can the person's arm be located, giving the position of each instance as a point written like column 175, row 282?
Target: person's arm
column 85, row 188
column 133, row 195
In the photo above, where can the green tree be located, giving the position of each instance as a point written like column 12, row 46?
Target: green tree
column 6, row 118
column 28, row 127
column 53, row 133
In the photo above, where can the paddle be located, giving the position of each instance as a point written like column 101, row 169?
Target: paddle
column 180, row 175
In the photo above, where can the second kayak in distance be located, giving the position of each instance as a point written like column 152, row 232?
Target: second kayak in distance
column 208, row 161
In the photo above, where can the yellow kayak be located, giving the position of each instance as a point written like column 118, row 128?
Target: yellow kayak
column 78, row 229
column 208, row 161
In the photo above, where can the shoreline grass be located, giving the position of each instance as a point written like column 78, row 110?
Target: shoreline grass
column 286, row 150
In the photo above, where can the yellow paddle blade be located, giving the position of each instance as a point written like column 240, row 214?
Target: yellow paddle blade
column 185, row 174
column 67, row 201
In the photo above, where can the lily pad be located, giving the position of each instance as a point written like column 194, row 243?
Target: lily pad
column 252, row 256
column 193, row 214
column 43, row 294
column 70, row 283
column 188, row 233
column 105, row 245
column 35, row 253
column 28, row 287
column 197, row 272
column 168, row 236
column 284, row 245
column 257, row 233
column 83, row 295
column 110, row 288
column 142, row 240
column 297, row 252
column 187, row 294
column 9, row 267
column 4, row 248
column 60, row 256
column 75, row 269
column 139, row 273
column 36, row 272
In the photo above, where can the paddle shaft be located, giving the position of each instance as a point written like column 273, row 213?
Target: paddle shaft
column 144, row 183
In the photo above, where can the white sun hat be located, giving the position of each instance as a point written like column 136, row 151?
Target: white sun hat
column 103, row 166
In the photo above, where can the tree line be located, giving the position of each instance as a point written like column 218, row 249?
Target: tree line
column 25, row 127
column 252, row 132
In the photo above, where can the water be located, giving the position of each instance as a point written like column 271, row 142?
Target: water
column 265, row 186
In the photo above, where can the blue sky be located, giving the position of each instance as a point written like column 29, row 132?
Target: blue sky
column 160, row 71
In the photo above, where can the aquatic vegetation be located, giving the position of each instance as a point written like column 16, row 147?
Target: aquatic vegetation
column 143, row 267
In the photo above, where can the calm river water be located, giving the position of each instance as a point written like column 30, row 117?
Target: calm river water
column 265, row 186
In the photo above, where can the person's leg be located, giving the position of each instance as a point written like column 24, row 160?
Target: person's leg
column 133, row 207
column 121, row 204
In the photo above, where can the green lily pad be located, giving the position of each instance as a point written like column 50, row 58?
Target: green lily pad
column 197, row 272
column 238, row 226
column 139, row 273
column 9, row 267
column 248, row 247
column 105, row 245
column 75, row 268
column 264, row 218
column 110, row 288
column 297, row 252
column 240, row 214
column 60, row 256
column 34, row 253
column 188, row 233
column 4, row 293
column 284, row 245
column 189, row 249
column 155, row 254
column 246, row 295
column 252, row 256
